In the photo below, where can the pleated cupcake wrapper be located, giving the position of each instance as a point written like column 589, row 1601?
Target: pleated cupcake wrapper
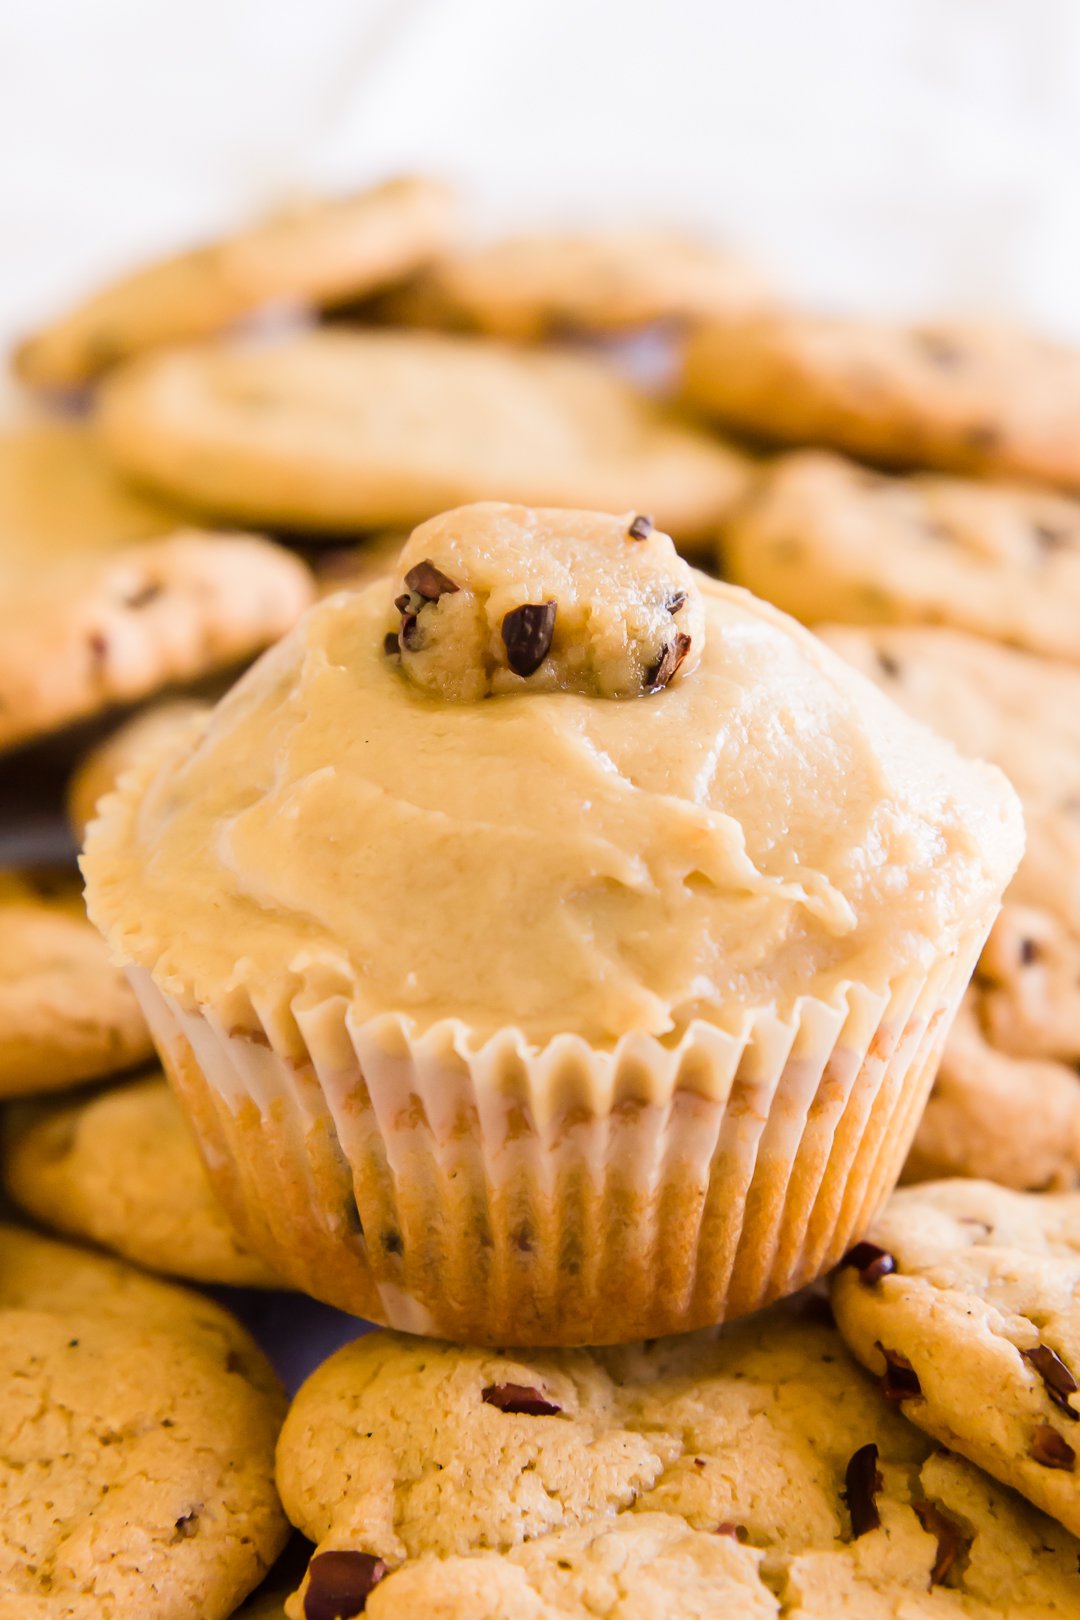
column 495, row 1193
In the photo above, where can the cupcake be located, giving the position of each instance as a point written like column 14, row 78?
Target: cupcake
column 551, row 945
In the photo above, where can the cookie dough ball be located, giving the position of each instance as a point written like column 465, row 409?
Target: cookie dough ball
column 495, row 598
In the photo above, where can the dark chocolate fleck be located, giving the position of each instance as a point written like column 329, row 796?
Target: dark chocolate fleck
column 899, row 1381
column 1051, row 1449
column 941, row 350
column 641, row 527
column 862, row 1481
column 523, row 1399
column 430, row 582
column 870, row 1262
column 412, row 637
column 1029, row 952
column 662, row 672
column 187, row 1525
column 391, row 1242
column 951, row 1539
column 737, row 1532
column 1051, row 538
column 391, row 644
column 527, row 631
column 99, row 648
column 887, row 664
column 143, row 595
column 675, row 601
column 340, row 1583
column 1059, row 1381
column 403, row 603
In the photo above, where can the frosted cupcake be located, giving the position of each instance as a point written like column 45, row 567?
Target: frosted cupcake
column 551, row 945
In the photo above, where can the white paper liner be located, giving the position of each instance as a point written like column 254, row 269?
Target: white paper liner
column 497, row 1194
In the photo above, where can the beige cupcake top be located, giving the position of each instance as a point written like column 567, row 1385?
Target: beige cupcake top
column 648, row 798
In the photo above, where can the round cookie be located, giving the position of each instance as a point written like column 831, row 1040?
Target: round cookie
column 825, row 539
column 541, row 285
column 121, row 1169
column 1006, row 1103
column 339, row 430
column 60, row 497
column 90, row 633
column 99, row 770
column 321, row 253
column 66, row 1013
column 981, row 399
column 450, row 1483
column 137, row 1437
column 964, row 1300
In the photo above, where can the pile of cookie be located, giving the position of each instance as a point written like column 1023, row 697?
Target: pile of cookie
column 332, row 377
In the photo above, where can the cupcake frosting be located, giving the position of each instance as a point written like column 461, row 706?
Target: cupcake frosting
column 651, row 799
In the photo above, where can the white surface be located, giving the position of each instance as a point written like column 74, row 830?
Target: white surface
column 895, row 154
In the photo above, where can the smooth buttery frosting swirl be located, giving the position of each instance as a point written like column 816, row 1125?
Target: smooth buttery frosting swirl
column 766, row 827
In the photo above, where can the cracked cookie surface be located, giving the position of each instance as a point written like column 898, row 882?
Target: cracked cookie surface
column 990, row 400
column 825, row 539
column 136, row 1444
column 977, row 1303
column 121, row 1169
column 1006, row 1103
column 450, row 1482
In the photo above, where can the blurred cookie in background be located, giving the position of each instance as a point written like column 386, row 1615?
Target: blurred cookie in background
column 317, row 253
column 66, row 1013
column 555, row 284
column 121, row 1169
column 137, row 1438
column 336, row 431
column 826, row 539
column 100, row 768
column 989, row 400
column 1006, row 1102
column 87, row 634
column 61, row 497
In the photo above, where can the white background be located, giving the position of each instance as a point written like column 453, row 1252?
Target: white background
column 892, row 154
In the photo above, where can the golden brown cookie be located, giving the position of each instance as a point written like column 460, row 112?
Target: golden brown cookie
column 988, row 400
column 752, row 1472
column 826, row 540
column 99, row 770
column 137, row 1431
column 320, row 253
column 66, row 1013
column 340, row 430
column 1006, row 1103
column 544, row 285
column 121, row 1169
column 60, row 497
column 965, row 1300
column 111, row 628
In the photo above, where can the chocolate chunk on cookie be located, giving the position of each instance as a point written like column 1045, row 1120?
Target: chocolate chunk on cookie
column 982, row 1309
column 755, row 1471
